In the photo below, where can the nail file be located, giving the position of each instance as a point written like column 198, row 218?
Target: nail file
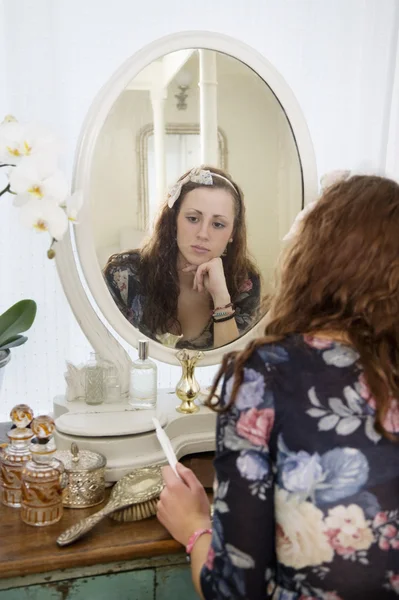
column 166, row 446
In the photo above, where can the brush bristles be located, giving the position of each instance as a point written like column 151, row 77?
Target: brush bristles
column 136, row 512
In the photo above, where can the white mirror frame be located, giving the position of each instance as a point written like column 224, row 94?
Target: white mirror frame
column 99, row 336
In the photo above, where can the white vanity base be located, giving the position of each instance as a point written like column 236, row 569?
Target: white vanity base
column 126, row 436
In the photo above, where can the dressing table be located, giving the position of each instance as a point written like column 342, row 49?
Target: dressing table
column 133, row 561
column 140, row 560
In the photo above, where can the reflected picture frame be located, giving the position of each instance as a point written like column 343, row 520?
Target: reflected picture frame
column 142, row 159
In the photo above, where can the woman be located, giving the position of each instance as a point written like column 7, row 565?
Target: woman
column 192, row 285
column 307, row 469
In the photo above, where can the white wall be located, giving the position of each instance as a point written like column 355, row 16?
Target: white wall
column 338, row 57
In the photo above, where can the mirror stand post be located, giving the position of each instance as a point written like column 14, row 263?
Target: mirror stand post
column 188, row 387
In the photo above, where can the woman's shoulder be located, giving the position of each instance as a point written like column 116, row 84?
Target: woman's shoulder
column 305, row 345
column 249, row 287
column 273, row 359
column 275, row 352
column 308, row 350
column 261, row 367
column 123, row 261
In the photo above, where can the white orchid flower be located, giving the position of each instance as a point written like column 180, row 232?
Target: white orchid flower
column 36, row 179
column 11, row 141
column 29, row 157
column 72, row 205
column 44, row 215
column 18, row 142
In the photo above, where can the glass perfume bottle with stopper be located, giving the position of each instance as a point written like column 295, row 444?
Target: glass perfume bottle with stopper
column 143, row 379
column 15, row 455
column 43, row 477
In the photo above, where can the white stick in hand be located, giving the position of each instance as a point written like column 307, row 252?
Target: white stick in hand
column 166, row 446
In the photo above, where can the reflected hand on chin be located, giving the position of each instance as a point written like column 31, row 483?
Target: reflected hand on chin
column 209, row 277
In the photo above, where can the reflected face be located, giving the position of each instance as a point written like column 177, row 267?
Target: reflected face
column 205, row 224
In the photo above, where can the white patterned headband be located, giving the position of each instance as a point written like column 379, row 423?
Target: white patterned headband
column 326, row 181
column 196, row 175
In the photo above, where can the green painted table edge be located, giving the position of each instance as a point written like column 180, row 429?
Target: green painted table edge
column 154, row 562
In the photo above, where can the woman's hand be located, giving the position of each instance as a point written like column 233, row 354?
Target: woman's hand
column 183, row 506
column 210, row 277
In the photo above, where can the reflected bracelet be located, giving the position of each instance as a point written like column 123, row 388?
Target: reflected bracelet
column 230, row 316
column 221, row 313
column 230, row 304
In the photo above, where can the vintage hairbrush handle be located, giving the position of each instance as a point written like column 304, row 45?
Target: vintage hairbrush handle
column 76, row 531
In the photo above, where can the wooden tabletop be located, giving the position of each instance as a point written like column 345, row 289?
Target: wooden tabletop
column 25, row 549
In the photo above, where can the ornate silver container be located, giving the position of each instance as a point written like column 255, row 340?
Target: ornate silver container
column 85, row 471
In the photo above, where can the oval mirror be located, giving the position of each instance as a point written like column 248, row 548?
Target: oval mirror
column 222, row 109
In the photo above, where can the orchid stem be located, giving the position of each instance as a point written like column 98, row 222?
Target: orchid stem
column 6, row 189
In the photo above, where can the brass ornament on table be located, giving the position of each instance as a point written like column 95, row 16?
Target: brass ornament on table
column 85, row 473
column 133, row 498
column 188, row 387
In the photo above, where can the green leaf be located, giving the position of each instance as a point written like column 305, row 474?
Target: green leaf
column 16, row 319
column 17, row 340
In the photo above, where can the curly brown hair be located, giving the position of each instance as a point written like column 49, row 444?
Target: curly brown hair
column 158, row 273
column 340, row 275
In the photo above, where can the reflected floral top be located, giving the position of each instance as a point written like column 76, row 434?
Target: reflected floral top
column 306, row 490
column 123, row 281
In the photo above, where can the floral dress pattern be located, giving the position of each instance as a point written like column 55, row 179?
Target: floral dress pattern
column 306, row 490
column 123, row 281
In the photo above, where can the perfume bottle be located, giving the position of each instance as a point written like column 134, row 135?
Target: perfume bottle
column 143, row 379
column 96, row 379
column 43, row 477
column 15, row 455
column 112, row 385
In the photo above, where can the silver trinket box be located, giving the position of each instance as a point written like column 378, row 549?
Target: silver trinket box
column 85, row 471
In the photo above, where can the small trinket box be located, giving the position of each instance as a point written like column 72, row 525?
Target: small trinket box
column 85, row 472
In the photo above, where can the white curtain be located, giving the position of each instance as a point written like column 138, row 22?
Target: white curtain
column 35, row 373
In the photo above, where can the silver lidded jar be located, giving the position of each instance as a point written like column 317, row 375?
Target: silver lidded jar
column 86, row 477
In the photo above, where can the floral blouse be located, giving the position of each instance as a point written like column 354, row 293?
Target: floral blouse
column 123, row 282
column 306, row 490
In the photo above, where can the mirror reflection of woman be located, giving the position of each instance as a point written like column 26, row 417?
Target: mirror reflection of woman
column 192, row 284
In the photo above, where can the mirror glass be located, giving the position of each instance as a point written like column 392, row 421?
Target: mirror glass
column 190, row 108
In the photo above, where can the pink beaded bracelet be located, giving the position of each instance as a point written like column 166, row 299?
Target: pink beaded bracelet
column 194, row 537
